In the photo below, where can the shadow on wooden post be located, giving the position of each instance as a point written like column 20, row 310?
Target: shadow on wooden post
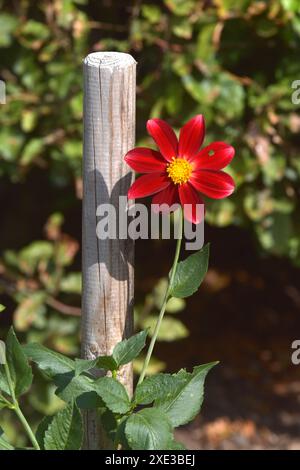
column 107, row 265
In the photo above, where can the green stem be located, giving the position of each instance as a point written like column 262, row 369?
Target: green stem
column 27, row 428
column 7, row 402
column 165, row 301
column 18, row 411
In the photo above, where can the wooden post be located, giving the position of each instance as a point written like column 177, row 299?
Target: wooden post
column 107, row 265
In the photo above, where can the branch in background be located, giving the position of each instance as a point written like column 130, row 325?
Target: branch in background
column 10, row 288
column 63, row 308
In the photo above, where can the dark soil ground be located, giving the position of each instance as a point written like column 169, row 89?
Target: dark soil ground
column 246, row 314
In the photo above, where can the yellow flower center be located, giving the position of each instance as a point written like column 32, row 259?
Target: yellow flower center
column 179, row 170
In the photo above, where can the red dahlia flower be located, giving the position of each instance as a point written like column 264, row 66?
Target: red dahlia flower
column 181, row 170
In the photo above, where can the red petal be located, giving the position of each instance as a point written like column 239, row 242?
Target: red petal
column 191, row 137
column 164, row 137
column 221, row 157
column 168, row 197
column 191, row 203
column 148, row 184
column 214, row 184
column 145, row 160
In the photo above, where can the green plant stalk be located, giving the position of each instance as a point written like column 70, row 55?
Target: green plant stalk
column 165, row 301
column 18, row 410
column 7, row 402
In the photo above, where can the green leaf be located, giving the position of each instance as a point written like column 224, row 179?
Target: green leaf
column 28, row 120
column 41, row 430
column 183, row 28
column 155, row 365
column 89, row 401
column 2, row 352
column 175, row 305
column 2, row 308
column 51, row 362
column 290, row 5
column 65, row 432
column 30, row 310
column 127, row 350
column 114, row 394
column 3, row 404
column 80, row 389
column 107, row 363
column 156, row 387
column 3, row 382
column 190, row 273
column 109, row 422
column 84, row 365
column 159, row 291
column 71, row 283
column 33, row 149
column 35, row 29
column 184, row 402
column 152, row 13
column 54, row 363
column 174, row 445
column 171, row 328
column 4, row 445
column 120, row 435
column 8, row 25
column 149, row 429
column 181, row 7
column 31, row 255
column 19, row 368
column 102, row 362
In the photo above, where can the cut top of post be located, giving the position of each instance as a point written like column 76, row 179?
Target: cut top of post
column 109, row 60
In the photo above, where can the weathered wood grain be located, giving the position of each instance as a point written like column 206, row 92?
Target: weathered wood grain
column 107, row 265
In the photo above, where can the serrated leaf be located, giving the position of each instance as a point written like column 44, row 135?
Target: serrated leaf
column 19, row 368
column 65, row 432
column 127, row 350
column 114, row 394
column 156, row 387
column 54, row 363
column 41, row 430
column 149, row 429
column 102, row 362
column 184, row 402
column 190, row 273
column 84, row 365
column 80, row 388
column 51, row 362
column 4, row 445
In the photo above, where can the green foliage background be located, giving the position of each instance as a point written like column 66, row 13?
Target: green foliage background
column 233, row 61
